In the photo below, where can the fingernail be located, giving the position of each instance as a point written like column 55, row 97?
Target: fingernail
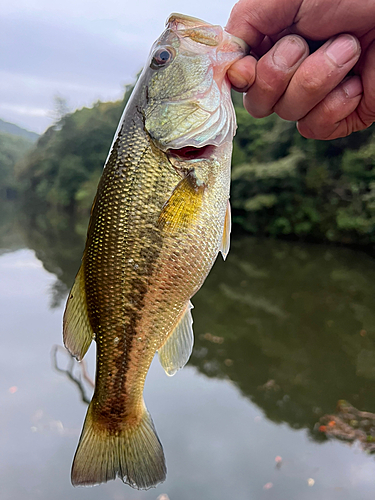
column 342, row 49
column 288, row 52
column 353, row 87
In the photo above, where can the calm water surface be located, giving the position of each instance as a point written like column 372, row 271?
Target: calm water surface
column 283, row 331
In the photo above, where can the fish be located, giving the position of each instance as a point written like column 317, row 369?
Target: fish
column 159, row 219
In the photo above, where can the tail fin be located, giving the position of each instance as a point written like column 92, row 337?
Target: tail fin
column 134, row 454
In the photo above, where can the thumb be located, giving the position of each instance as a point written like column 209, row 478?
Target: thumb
column 242, row 73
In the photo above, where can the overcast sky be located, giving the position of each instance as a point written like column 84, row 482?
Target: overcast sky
column 82, row 50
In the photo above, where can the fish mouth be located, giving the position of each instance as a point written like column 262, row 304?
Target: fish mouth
column 193, row 25
column 175, row 20
column 193, row 153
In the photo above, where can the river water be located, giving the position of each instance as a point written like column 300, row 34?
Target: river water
column 283, row 332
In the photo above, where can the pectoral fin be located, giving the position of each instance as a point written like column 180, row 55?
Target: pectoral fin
column 225, row 242
column 77, row 331
column 176, row 351
column 183, row 205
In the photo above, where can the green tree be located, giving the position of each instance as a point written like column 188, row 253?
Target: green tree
column 283, row 185
column 12, row 149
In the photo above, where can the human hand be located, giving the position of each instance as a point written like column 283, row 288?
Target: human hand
column 310, row 89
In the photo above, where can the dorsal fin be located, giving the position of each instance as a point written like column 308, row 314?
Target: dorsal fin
column 176, row 351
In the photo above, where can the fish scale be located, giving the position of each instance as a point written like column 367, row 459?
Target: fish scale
column 157, row 224
column 138, row 242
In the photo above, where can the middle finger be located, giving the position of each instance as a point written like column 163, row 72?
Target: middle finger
column 317, row 76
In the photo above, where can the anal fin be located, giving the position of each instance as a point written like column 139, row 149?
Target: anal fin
column 176, row 351
column 225, row 242
column 77, row 331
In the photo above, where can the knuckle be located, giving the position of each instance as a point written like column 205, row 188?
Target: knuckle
column 305, row 130
column 327, row 114
column 366, row 116
column 255, row 111
column 310, row 81
column 286, row 112
column 271, row 79
column 268, row 82
column 318, row 125
column 260, row 114
column 260, row 99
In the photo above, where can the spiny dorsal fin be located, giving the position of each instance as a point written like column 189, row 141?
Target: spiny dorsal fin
column 176, row 351
column 77, row 331
column 225, row 242
column 183, row 205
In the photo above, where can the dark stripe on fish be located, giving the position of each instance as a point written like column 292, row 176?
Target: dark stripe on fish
column 120, row 168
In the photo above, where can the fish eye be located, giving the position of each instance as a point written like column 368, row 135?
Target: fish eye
column 161, row 58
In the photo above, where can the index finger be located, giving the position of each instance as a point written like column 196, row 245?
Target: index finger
column 252, row 20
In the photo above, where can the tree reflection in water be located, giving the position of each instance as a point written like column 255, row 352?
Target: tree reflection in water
column 74, row 371
column 291, row 325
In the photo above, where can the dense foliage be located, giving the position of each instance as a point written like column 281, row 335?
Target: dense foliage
column 12, row 149
column 283, row 185
column 64, row 168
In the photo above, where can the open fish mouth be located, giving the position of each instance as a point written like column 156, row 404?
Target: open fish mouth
column 192, row 153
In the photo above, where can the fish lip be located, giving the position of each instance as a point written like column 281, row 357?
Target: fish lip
column 241, row 43
column 190, row 22
column 192, row 153
column 175, row 19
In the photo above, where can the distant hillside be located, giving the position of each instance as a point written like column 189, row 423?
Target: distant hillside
column 12, row 149
column 12, row 129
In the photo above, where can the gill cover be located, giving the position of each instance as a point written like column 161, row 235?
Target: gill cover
column 188, row 94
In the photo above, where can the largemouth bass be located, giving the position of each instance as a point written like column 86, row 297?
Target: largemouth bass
column 160, row 217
